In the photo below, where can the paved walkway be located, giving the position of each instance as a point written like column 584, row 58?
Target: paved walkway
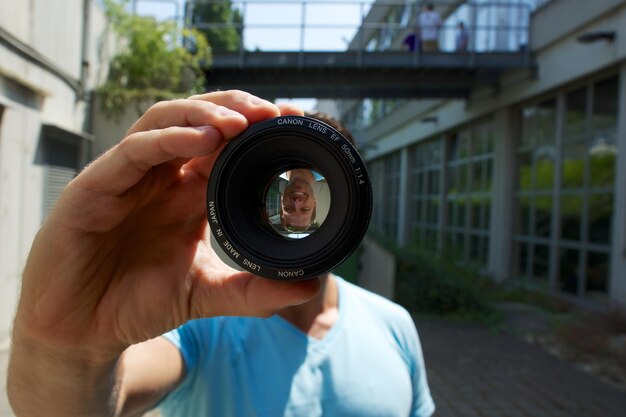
column 474, row 371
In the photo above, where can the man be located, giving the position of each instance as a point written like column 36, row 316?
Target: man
column 430, row 22
column 298, row 204
column 462, row 38
column 124, row 257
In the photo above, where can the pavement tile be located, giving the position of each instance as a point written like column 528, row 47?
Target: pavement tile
column 505, row 376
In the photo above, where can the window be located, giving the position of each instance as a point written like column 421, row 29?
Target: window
column 61, row 157
column 469, row 188
column 586, row 196
column 567, row 212
column 424, row 193
column 385, row 176
column 391, row 195
column 535, row 190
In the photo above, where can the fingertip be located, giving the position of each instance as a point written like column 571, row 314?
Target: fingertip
column 261, row 109
column 290, row 109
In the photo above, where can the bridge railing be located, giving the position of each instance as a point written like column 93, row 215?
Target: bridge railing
column 361, row 25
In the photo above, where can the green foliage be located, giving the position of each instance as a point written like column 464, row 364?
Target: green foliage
column 428, row 284
column 150, row 63
column 349, row 269
column 225, row 37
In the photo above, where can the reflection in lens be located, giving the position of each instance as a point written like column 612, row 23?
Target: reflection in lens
column 297, row 202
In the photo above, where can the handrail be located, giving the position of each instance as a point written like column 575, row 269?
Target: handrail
column 493, row 26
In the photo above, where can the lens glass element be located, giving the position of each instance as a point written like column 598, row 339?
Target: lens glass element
column 297, row 202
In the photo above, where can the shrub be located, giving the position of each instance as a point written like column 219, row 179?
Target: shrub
column 429, row 284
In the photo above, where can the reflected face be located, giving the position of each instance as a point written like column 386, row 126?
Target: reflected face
column 298, row 202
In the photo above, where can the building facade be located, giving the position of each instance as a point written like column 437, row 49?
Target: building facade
column 527, row 179
column 50, row 57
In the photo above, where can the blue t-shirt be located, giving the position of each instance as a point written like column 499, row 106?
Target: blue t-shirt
column 370, row 363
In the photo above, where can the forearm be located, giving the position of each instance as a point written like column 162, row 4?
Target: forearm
column 47, row 381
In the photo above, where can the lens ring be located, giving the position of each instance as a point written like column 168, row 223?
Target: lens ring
column 245, row 167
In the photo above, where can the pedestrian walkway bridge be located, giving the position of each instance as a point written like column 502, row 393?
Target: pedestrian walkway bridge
column 354, row 48
column 349, row 74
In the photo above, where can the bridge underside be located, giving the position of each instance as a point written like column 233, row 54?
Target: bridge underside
column 344, row 75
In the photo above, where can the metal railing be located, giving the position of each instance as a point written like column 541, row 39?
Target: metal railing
column 361, row 25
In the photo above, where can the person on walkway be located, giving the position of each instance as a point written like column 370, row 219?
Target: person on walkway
column 462, row 38
column 429, row 23
column 125, row 257
column 411, row 42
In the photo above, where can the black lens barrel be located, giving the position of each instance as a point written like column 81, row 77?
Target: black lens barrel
column 236, row 190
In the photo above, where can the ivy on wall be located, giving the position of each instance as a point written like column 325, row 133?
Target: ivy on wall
column 156, row 60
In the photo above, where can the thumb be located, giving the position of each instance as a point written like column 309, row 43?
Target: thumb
column 245, row 294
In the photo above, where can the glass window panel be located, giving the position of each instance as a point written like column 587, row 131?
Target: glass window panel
column 600, row 218
column 484, row 249
column 490, row 142
column 476, row 214
column 543, row 216
column 461, row 214
column 602, row 160
column 524, row 216
column 474, row 249
column 487, row 214
column 427, row 182
column 544, row 169
column 419, row 181
column 452, row 208
column 522, row 259
column 597, row 273
column 438, row 156
column 546, row 123
column 541, row 263
column 525, row 171
column 528, row 126
column 433, row 211
column 488, row 175
column 453, row 182
column 569, row 260
column 419, row 157
column 433, row 187
column 478, row 141
column 575, row 126
column 463, row 177
column 464, row 145
column 573, row 172
column 454, row 147
column 605, row 105
column 418, row 211
column 414, row 238
column 476, row 169
column 571, row 217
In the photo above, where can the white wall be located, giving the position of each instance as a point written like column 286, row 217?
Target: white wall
column 31, row 95
column 378, row 269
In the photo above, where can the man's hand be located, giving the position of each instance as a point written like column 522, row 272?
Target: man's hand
column 124, row 256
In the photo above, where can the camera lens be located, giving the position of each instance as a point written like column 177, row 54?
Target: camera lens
column 288, row 199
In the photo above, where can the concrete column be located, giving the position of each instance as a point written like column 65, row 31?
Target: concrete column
column 378, row 269
column 403, row 189
column 617, row 280
column 501, row 224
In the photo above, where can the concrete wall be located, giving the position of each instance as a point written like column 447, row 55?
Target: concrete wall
column 378, row 269
column 41, row 64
